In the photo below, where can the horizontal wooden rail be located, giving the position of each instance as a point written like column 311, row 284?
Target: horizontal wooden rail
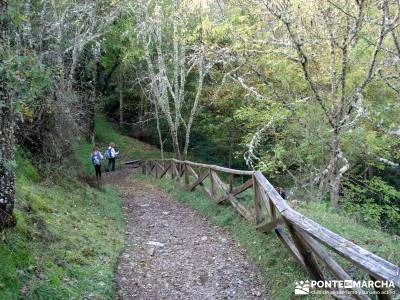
column 132, row 162
column 214, row 167
column 269, row 212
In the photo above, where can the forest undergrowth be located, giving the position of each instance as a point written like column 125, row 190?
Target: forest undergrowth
column 278, row 269
column 69, row 234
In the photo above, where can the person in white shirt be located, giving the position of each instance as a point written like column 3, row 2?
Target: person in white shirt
column 111, row 154
column 96, row 159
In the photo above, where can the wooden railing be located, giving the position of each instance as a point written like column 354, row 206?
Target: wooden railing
column 306, row 240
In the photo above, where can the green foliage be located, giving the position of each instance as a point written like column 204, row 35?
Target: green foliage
column 277, row 267
column 262, row 82
column 266, row 251
column 346, row 224
column 106, row 133
column 66, row 242
column 375, row 202
column 25, row 169
column 31, row 80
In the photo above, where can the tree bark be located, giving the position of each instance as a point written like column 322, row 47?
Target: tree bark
column 202, row 74
column 121, row 101
column 7, row 190
column 92, row 100
column 175, row 143
column 159, row 131
column 334, row 172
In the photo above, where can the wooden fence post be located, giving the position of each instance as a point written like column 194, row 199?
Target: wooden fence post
column 382, row 295
column 231, row 182
column 257, row 202
column 212, row 180
column 172, row 169
column 180, row 173
column 143, row 163
column 306, row 234
column 272, row 210
column 177, row 171
column 306, row 253
column 186, row 171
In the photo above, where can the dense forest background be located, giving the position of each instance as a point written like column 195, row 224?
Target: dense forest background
column 305, row 91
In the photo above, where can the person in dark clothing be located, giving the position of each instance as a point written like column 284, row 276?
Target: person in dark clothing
column 96, row 158
column 281, row 192
column 111, row 164
column 98, row 171
column 111, row 154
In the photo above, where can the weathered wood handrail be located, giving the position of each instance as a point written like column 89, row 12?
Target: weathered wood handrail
column 213, row 167
column 305, row 234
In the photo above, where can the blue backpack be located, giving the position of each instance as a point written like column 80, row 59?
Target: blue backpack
column 107, row 154
column 96, row 159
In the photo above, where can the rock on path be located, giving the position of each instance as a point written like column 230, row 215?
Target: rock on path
column 173, row 253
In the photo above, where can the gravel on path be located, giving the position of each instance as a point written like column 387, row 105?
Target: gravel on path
column 171, row 252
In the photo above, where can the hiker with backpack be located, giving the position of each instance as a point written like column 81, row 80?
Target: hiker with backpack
column 111, row 155
column 96, row 158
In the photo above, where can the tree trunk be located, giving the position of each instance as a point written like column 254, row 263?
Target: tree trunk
column 92, row 101
column 159, row 131
column 335, row 175
column 74, row 64
column 7, row 191
column 26, row 25
column 202, row 74
column 121, row 102
column 175, row 144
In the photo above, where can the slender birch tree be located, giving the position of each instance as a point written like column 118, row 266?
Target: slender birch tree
column 171, row 58
column 324, row 39
column 7, row 189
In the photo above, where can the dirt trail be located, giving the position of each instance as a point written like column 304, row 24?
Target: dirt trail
column 171, row 252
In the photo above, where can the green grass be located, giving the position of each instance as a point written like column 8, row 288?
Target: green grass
column 376, row 241
column 278, row 268
column 68, row 235
column 66, row 241
column 105, row 133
